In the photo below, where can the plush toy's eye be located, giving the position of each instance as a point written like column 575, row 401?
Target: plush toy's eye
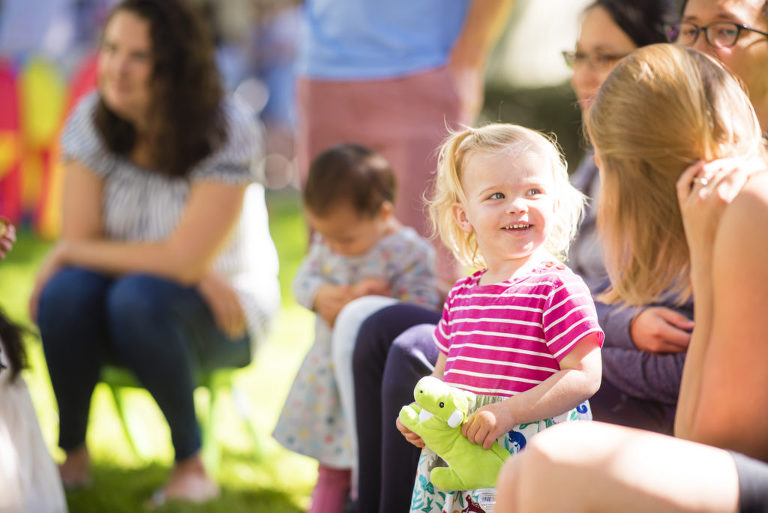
column 442, row 404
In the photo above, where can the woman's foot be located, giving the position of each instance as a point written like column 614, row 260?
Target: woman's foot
column 190, row 482
column 75, row 471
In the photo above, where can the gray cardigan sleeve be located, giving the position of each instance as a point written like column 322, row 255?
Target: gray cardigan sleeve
column 641, row 374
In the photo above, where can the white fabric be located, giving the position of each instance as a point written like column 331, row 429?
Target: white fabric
column 343, row 343
column 29, row 480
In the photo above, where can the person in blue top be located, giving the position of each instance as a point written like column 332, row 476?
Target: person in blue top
column 392, row 76
column 165, row 265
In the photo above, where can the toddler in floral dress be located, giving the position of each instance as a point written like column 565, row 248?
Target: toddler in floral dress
column 359, row 249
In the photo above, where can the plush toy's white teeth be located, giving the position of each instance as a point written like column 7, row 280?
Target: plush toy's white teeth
column 424, row 415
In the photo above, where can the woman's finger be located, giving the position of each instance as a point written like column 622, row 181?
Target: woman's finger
column 685, row 181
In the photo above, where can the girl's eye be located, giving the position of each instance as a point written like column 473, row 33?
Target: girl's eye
column 496, row 195
column 534, row 192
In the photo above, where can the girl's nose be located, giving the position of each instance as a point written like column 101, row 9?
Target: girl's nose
column 516, row 205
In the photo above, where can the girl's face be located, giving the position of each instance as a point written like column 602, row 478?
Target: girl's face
column 347, row 232
column 125, row 65
column 509, row 206
column 600, row 45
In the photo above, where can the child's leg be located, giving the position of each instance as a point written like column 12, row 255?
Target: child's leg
column 331, row 490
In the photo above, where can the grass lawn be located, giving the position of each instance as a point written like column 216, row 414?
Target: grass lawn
column 276, row 481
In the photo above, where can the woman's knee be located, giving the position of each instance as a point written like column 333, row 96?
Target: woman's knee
column 70, row 298
column 411, row 356
column 349, row 324
column 143, row 298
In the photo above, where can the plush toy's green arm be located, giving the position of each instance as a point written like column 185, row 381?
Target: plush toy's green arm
column 409, row 415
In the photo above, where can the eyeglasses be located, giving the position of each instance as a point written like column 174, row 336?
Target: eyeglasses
column 597, row 61
column 721, row 34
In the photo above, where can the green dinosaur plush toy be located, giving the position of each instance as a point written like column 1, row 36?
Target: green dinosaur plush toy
column 437, row 416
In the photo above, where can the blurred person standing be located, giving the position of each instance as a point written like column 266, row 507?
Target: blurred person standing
column 394, row 76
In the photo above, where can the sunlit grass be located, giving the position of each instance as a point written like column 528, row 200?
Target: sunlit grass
column 275, row 480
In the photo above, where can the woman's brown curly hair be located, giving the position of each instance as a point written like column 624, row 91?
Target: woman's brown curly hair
column 186, row 90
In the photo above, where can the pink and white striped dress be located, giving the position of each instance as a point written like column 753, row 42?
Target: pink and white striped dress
column 505, row 338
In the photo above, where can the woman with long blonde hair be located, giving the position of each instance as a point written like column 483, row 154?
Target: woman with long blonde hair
column 670, row 221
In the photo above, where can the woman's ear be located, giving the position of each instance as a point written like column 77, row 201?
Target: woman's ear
column 597, row 159
column 461, row 218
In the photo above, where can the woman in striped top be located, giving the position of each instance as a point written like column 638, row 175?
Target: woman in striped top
column 165, row 264
column 522, row 332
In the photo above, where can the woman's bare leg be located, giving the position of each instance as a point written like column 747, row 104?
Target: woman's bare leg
column 595, row 467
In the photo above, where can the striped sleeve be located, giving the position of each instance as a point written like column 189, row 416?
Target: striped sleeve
column 81, row 142
column 569, row 315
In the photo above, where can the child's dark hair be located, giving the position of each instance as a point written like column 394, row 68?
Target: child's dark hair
column 10, row 334
column 352, row 174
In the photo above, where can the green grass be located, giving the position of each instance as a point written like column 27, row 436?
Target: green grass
column 278, row 481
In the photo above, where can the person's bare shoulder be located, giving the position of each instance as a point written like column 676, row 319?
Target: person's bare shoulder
column 745, row 221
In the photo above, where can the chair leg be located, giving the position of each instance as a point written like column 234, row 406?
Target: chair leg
column 245, row 412
column 211, row 449
column 139, row 445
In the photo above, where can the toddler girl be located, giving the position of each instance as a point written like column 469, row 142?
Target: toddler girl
column 521, row 332
column 359, row 249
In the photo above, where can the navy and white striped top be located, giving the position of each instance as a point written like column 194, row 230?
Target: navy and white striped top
column 141, row 205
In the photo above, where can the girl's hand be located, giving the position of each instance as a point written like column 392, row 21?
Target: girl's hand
column 487, row 424
column 409, row 435
column 224, row 303
column 371, row 287
column 703, row 191
column 329, row 301
column 7, row 237
column 52, row 264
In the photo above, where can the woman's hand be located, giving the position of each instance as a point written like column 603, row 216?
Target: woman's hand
column 224, row 303
column 703, row 191
column 409, row 435
column 661, row 330
column 488, row 423
column 52, row 264
column 7, row 237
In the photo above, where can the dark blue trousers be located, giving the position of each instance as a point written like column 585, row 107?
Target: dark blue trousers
column 162, row 331
column 387, row 362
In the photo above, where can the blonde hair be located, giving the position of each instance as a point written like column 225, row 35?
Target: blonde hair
column 662, row 108
column 497, row 138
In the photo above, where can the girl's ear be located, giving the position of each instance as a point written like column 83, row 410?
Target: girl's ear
column 386, row 210
column 461, row 217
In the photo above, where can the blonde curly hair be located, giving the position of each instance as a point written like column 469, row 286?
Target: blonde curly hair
column 490, row 139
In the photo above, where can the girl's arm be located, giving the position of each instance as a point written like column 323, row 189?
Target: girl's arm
column 578, row 379
column 725, row 384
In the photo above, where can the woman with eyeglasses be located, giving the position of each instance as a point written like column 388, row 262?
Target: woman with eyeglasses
column 682, row 156
column 644, row 348
column 735, row 32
